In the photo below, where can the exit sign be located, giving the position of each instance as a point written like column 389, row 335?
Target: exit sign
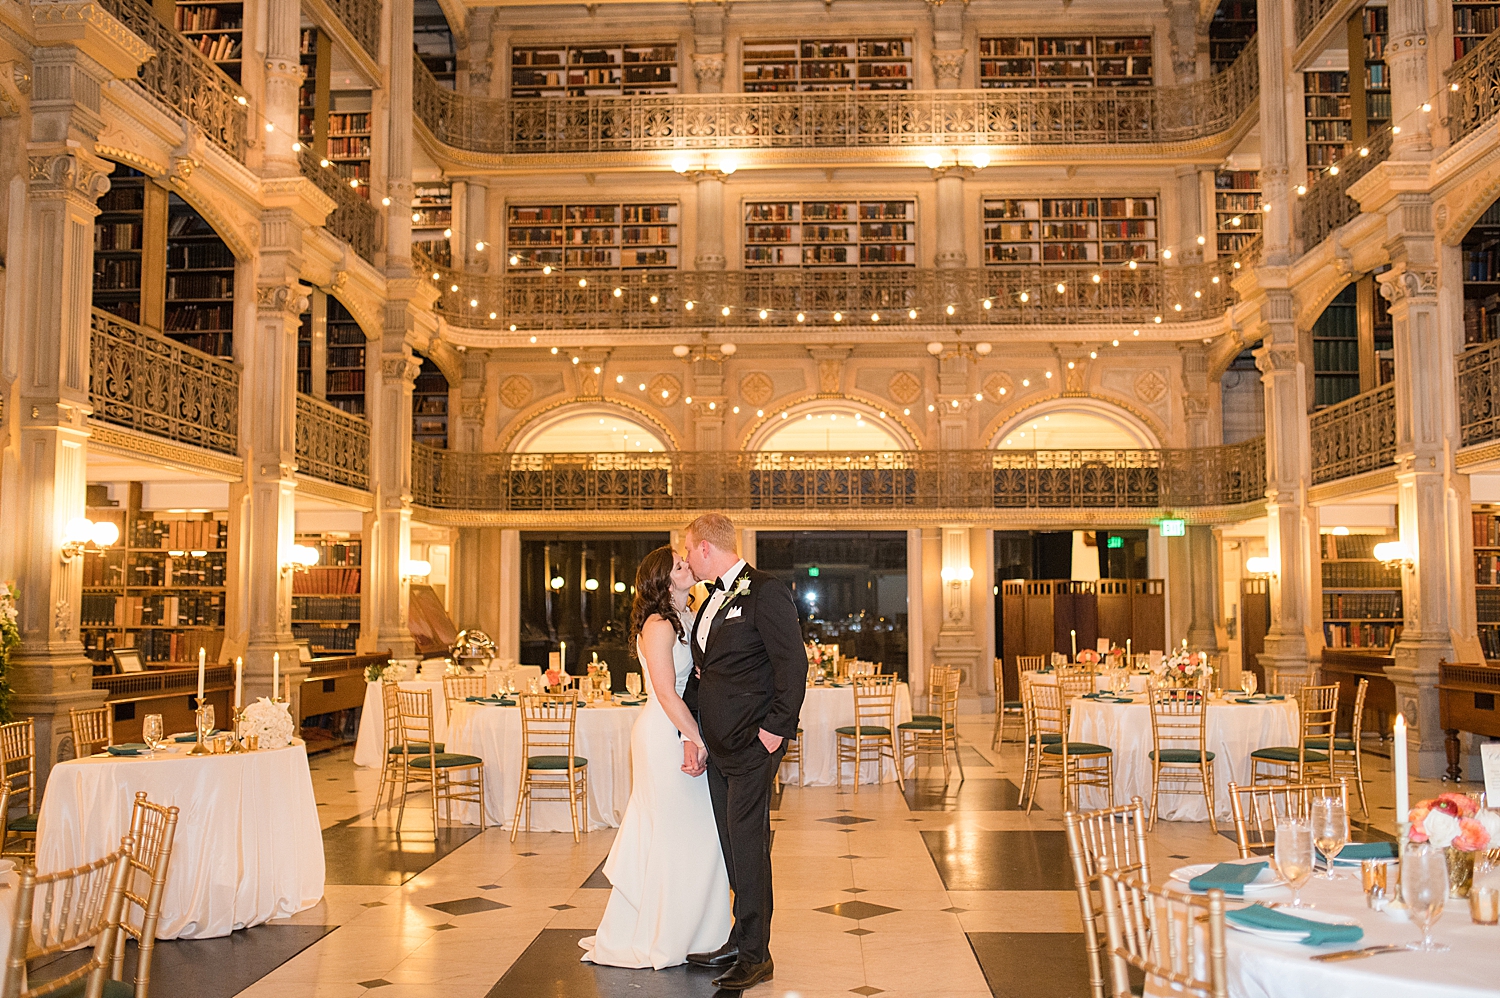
column 1173, row 528
column 1115, row 541
column 812, row 571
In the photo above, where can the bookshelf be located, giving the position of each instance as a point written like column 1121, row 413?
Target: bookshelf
column 1486, row 519
column 1069, row 230
column 1326, row 107
column 797, row 64
column 200, row 282
column 161, row 589
column 612, row 236
column 1473, row 21
column 1481, row 256
column 316, row 54
column 326, row 597
column 432, row 40
column 118, row 231
column 1076, row 61
column 305, row 353
column 1362, row 608
column 432, row 220
column 594, row 70
column 1384, row 329
column 1236, row 209
column 1376, row 29
column 215, row 28
column 1335, row 340
column 429, row 406
column 346, row 360
column 349, row 138
column 830, row 234
column 1232, row 26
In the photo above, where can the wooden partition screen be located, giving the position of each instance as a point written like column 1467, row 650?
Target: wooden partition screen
column 1037, row 616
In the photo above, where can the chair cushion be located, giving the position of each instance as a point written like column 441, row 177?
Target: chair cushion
column 1179, row 755
column 416, row 747
column 1077, row 748
column 1287, row 753
column 1046, row 739
column 926, row 717
column 112, row 989
column 1344, row 745
column 555, row 762
column 1013, row 705
column 868, row 729
column 923, row 724
column 25, row 823
column 445, row 760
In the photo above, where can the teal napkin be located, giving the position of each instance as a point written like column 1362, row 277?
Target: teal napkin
column 1230, row 878
column 190, row 736
column 1318, row 933
column 1252, row 701
column 129, row 748
column 1368, row 850
column 632, row 703
column 492, row 701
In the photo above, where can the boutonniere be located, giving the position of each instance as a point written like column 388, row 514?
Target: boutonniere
column 741, row 587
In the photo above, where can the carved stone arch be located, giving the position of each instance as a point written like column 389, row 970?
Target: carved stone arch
column 1313, row 299
column 761, row 428
column 119, row 146
column 368, row 321
column 1457, row 210
column 1109, row 405
column 189, row 186
column 448, row 360
column 531, row 421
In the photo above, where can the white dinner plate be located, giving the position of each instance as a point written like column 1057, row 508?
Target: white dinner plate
column 1268, row 879
column 1292, row 936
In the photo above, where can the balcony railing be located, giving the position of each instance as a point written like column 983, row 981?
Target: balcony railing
column 354, row 220
column 362, row 18
column 998, row 296
column 686, row 481
column 184, row 81
column 1474, row 88
column 841, row 119
column 331, row 444
column 1479, row 395
column 146, row 382
column 1326, row 206
column 1355, row 436
column 1308, row 13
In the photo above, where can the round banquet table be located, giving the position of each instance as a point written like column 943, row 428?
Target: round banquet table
column 494, row 734
column 824, row 709
column 1234, row 731
column 369, row 744
column 1138, row 681
column 248, row 846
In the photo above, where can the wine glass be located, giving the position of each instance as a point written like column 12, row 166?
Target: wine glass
column 151, row 731
column 1330, row 825
column 633, row 685
column 1247, row 683
column 1424, row 888
column 205, row 721
column 1294, row 855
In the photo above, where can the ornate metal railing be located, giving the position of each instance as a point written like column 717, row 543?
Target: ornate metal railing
column 1249, row 254
column 355, row 220
column 1008, row 296
column 362, row 18
column 183, row 80
column 993, row 479
column 1308, row 13
column 331, row 444
column 841, row 119
column 1355, row 436
column 144, row 381
column 1479, row 395
column 160, row 683
column 1474, row 88
column 1326, row 206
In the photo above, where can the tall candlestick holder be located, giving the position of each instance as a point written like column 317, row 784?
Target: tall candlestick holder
column 203, row 722
column 236, row 736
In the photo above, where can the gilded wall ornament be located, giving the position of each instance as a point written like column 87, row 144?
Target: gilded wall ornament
column 663, row 390
column 1150, row 387
column 997, row 386
column 515, row 391
column 757, row 388
column 905, row 387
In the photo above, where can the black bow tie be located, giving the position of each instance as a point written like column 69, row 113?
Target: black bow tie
column 717, row 584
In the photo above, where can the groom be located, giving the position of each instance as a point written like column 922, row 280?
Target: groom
column 749, row 677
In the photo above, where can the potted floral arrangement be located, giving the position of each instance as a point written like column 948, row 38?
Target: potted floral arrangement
column 1181, row 668
column 819, row 659
column 1456, row 824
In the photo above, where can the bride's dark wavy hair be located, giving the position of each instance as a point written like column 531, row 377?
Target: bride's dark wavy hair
column 653, row 593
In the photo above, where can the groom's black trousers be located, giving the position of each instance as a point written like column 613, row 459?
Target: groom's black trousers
column 740, row 788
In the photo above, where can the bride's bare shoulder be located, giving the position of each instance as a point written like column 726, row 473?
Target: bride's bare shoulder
column 657, row 627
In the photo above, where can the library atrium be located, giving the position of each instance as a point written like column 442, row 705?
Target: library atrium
column 1111, row 389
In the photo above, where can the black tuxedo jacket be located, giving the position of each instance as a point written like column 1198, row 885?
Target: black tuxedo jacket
column 753, row 673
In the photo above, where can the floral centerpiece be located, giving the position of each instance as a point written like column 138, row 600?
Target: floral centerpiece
column 1457, row 824
column 1181, row 668
column 1088, row 657
column 272, row 722
column 1115, row 657
column 10, row 640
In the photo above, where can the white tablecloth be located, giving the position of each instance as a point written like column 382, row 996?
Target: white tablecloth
column 494, row 734
column 248, row 845
column 370, row 742
column 1137, row 682
column 825, row 709
column 1234, row 731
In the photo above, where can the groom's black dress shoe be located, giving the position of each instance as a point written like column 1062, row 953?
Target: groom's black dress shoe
column 724, row 956
column 744, row 975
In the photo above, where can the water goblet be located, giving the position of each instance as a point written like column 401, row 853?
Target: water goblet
column 1294, row 855
column 205, row 718
column 1330, row 824
column 1247, row 683
column 1424, row 888
column 633, row 685
column 151, row 732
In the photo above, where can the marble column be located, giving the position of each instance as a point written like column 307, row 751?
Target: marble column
column 399, row 138
column 959, row 644
column 708, row 46
column 477, row 226
column 390, row 475
column 1202, row 577
column 508, row 633
column 951, row 253
column 916, row 618
column 948, row 53
column 283, row 81
column 710, row 231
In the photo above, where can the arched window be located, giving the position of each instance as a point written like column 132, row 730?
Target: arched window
column 592, row 429
column 825, row 426
column 1075, row 424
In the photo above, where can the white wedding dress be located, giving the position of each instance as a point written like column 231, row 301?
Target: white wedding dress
column 670, row 892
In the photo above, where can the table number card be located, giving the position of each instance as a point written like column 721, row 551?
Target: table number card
column 1489, row 757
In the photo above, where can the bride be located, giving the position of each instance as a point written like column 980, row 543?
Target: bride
column 670, row 892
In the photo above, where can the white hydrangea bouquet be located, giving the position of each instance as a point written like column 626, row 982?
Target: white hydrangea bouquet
column 272, row 722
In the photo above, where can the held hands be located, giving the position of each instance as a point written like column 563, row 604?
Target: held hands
column 770, row 741
column 694, row 758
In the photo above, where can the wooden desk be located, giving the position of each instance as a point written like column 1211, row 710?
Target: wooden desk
column 1466, row 702
column 1347, row 668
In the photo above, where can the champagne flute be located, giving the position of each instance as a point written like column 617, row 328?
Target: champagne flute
column 1294, row 855
column 1247, row 683
column 1330, row 823
column 1424, row 888
column 205, row 721
column 633, row 685
column 151, row 732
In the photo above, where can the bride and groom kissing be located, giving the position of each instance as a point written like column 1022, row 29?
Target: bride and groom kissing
column 726, row 689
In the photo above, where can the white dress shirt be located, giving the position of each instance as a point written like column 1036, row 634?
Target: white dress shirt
column 716, row 603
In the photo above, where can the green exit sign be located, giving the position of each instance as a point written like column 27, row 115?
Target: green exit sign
column 1115, row 541
column 1173, row 528
column 812, row 571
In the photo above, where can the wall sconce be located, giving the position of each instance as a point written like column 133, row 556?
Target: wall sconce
column 954, row 579
column 415, row 568
column 299, row 559
column 81, row 532
column 1260, row 565
column 1394, row 553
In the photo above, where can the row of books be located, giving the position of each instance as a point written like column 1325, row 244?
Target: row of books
column 206, row 19
column 326, row 581
column 1487, row 606
column 1489, row 640
column 325, row 608
column 219, row 48
column 336, row 554
column 349, row 123
column 328, row 638
column 200, row 318
column 1336, row 547
column 124, row 196
column 182, row 610
column 200, row 256
column 180, row 535
column 181, row 286
column 1360, row 575
column 590, row 213
column 1362, row 606
column 117, row 236
column 1486, row 530
column 184, row 571
column 117, row 274
column 157, row 646
column 1339, row 635
column 346, row 381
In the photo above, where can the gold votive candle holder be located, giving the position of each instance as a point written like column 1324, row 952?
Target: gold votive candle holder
column 1484, row 905
column 1373, row 873
column 252, row 742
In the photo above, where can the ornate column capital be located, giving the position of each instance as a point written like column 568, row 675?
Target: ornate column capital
column 279, row 297
column 1405, row 283
column 67, row 175
column 400, row 367
column 1271, row 360
column 708, row 68
column 948, row 66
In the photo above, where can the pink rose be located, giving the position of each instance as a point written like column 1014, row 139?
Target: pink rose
column 553, row 677
column 1471, row 836
column 1417, row 817
column 1464, row 805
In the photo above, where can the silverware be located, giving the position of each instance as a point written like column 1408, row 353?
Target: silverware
column 1357, row 954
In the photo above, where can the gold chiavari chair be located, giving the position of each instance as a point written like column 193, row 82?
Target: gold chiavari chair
column 936, row 734
column 18, row 761
column 451, row 776
column 1004, row 709
column 393, row 772
column 858, row 668
column 1032, row 739
column 1076, row 682
column 549, row 733
column 1112, row 838
column 792, row 757
column 872, row 735
column 152, row 828
column 1179, row 755
column 934, row 693
column 1262, row 806
column 1075, row 764
column 93, row 729
column 1030, row 663
column 68, row 910
column 1348, row 756
column 1174, row 938
column 457, row 688
column 1318, row 709
column 1289, row 684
